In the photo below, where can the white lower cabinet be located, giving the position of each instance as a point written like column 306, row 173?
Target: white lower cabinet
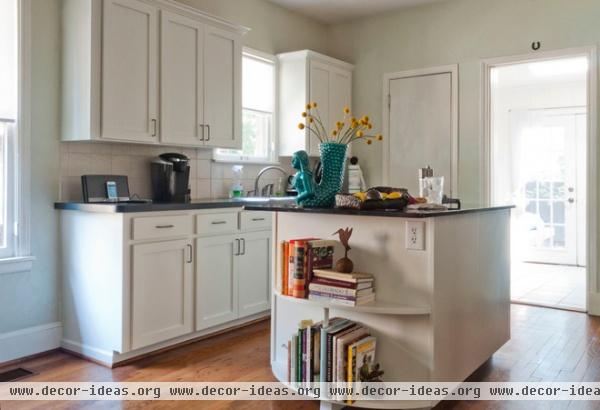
column 216, row 280
column 232, row 277
column 254, row 264
column 138, row 282
column 162, row 291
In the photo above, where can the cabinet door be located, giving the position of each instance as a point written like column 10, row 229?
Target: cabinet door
column 340, row 95
column 129, row 71
column 216, row 281
column 162, row 292
column 319, row 85
column 182, row 93
column 222, row 88
column 254, row 273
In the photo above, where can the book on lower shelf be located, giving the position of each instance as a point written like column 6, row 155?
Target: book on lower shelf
column 341, row 351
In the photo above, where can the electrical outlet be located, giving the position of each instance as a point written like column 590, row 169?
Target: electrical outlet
column 415, row 235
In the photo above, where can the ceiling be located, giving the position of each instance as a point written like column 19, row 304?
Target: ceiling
column 337, row 11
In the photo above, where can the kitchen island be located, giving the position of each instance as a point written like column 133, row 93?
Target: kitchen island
column 442, row 304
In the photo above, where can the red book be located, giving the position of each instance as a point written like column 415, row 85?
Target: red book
column 342, row 284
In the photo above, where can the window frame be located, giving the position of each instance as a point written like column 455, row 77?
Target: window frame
column 273, row 158
column 18, row 258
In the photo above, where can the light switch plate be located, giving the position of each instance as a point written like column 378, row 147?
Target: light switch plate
column 415, row 235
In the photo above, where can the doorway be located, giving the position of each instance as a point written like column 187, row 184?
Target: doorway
column 538, row 127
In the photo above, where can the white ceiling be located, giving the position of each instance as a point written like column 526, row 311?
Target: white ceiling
column 337, row 11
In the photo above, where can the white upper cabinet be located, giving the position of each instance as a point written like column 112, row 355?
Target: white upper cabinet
column 130, row 71
column 182, row 105
column 117, row 57
column 306, row 76
column 222, row 89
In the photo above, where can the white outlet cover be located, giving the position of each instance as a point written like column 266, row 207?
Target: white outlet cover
column 415, row 235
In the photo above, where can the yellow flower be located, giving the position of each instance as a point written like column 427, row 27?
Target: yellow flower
column 334, row 133
column 354, row 124
column 379, row 137
column 353, row 119
column 346, row 110
column 359, row 134
column 304, row 114
column 308, row 106
column 311, row 120
column 301, row 126
column 369, row 142
column 314, row 104
column 340, row 125
column 366, row 118
column 369, row 126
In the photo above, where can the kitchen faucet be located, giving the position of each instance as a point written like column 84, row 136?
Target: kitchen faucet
column 261, row 172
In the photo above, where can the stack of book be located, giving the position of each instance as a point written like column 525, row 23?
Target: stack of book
column 342, row 351
column 300, row 258
column 350, row 289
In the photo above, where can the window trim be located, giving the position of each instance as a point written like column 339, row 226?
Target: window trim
column 274, row 157
column 20, row 259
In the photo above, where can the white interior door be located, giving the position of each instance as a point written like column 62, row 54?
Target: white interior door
column 130, row 71
column 182, row 94
column 421, row 129
column 545, row 182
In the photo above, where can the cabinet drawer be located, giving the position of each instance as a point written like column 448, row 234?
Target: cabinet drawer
column 209, row 224
column 252, row 220
column 153, row 227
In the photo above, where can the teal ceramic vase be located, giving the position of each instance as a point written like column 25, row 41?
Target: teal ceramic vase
column 333, row 161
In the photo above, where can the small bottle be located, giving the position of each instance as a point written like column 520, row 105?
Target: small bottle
column 280, row 188
column 424, row 173
column 237, row 188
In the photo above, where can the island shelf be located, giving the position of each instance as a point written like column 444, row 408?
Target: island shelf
column 440, row 312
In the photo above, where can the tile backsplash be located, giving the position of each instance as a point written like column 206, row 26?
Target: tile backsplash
column 208, row 179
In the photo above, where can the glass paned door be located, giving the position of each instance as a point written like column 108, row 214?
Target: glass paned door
column 545, row 147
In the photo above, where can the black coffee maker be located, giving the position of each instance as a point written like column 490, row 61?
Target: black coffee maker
column 170, row 174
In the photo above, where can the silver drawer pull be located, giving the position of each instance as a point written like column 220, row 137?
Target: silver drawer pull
column 258, row 219
column 164, row 226
column 218, row 222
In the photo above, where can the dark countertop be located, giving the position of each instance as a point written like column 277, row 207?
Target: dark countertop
column 124, row 207
column 390, row 213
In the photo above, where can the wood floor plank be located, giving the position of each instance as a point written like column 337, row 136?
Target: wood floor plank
column 546, row 344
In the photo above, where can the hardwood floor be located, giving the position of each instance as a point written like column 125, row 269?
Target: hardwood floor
column 546, row 345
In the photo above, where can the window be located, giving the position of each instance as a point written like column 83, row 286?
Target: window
column 14, row 135
column 8, row 115
column 259, row 73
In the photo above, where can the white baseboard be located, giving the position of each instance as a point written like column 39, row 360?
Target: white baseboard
column 104, row 356
column 29, row 341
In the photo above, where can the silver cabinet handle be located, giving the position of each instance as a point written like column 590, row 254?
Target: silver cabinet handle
column 571, row 200
column 202, row 126
column 165, row 226
column 243, row 246
column 208, row 126
column 258, row 219
column 237, row 247
column 218, row 222
column 154, row 127
column 191, row 258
